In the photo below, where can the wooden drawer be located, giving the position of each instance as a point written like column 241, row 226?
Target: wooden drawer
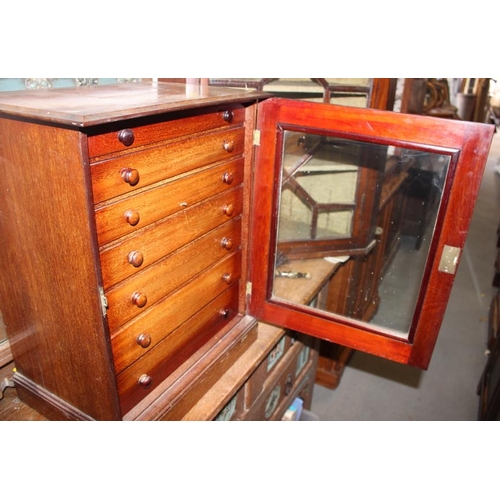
column 148, row 245
column 171, row 352
column 174, row 128
column 130, row 172
column 125, row 216
column 284, row 383
column 301, row 344
column 277, row 394
column 144, row 289
column 167, row 315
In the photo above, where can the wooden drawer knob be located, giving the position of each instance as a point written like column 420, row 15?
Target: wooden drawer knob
column 132, row 217
column 135, row 258
column 139, row 299
column 126, row 137
column 228, row 178
column 229, row 146
column 227, row 278
column 228, row 210
column 226, row 243
column 130, row 176
column 145, row 381
column 228, row 116
column 144, row 340
column 224, row 313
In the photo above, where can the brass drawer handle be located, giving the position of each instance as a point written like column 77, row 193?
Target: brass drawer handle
column 144, row 340
column 132, row 217
column 130, row 176
column 229, row 146
column 139, row 299
column 145, row 381
column 126, row 137
column 227, row 278
column 135, row 258
column 226, row 243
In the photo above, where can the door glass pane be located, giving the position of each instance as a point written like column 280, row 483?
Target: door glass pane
column 365, row 205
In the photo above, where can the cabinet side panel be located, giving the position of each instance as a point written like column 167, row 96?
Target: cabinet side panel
column 48, row 278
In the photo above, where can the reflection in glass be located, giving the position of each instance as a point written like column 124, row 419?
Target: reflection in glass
column 369, row 210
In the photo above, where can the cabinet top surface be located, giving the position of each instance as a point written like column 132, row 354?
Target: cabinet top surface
column 88, row 106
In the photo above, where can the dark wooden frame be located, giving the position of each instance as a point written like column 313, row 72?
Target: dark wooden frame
column 466, row 143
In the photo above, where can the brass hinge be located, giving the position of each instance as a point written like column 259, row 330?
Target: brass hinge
column 256, row 137
column 104, row 301
column 449, row 259
column 249, row 289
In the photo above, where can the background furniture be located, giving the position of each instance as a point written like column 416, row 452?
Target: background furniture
column 489, row 384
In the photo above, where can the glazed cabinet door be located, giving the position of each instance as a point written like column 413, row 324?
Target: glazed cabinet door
column 386, row 194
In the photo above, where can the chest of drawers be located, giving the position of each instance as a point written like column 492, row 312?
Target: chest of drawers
column 135, row 227
column 139, row 265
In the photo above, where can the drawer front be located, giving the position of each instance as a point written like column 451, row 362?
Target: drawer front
column 164, row 317
column 128, row 138
column 266, row 399
column 137, row 170
column 143, row 290
column 143, row 376
column 146, row 246
column 279, row 392
column 272, row 362
column 125, row 216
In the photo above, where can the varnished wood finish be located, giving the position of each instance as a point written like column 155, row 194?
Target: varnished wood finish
column 105, row 104
column 50, row 278
column 5, row 353
column 185, row 386
column 468, row 145
column 154, row 204
column 163, row 277
column 156, row 241
column 382, row 93
column 11, row 407
column 175, row 309
column 126, row 200
column 157, row 164
column 170, row 352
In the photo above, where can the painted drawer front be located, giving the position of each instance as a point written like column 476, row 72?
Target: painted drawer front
column 143, row 376
column 140, row 292
column 277, row 394
column 268, row 393
column 168, row 314
column 146, row 246
column 137, row 136
column 135, row 212
column 265, row 369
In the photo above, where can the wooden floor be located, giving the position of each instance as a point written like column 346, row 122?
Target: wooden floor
column 11, row 407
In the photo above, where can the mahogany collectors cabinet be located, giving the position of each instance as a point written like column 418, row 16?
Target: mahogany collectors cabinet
column 152, row 232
